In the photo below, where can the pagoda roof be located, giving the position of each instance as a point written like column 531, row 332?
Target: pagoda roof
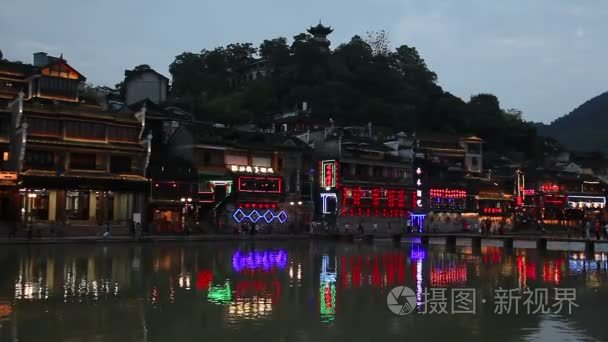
column 320, row 29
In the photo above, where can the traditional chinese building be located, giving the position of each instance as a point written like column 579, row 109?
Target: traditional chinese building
column 247, row 177
column 362, row 181
column 78, row 160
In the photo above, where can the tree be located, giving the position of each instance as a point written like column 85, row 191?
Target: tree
column 379, row 42
column 188, row 74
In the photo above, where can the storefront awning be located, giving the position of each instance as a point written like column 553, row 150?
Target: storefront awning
column 86, row 182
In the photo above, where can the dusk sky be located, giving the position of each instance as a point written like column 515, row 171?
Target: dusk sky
column 544, row 57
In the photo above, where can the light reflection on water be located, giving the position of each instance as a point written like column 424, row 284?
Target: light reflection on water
column 320, row 291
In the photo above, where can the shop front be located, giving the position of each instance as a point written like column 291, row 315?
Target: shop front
column 81, row 204
column 496, row 214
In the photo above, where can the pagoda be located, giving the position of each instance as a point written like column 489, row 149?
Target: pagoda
column 319, row 34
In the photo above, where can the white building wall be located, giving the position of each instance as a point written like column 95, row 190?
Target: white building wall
column 146, row 85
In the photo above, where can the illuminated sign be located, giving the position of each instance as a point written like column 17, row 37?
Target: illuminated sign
column 7, row 175
column 447, row 199
column 328, row 173
column 419, row 203
column 549, row 187
column 492, row 210
column 258, row 205
column 254, row 216
column 251, row 169
column 528, row 192
column 448, row 193
column 325, row 198
column 582, row 202
column 554, row 200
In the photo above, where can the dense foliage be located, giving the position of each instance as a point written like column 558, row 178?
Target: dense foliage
column 359, row 81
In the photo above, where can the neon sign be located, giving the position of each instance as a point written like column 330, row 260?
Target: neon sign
column 448, row 193
column 419, row 188
column 528, row 192
column 328, row 173
column 581, row 202
column 492, row 210
column 251, row 169
column 256, row 260
column 254, row 216
column 549, row 187
column 325, row 198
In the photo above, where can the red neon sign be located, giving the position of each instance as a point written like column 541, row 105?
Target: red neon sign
column 549, row 187
column 258, row 205
column 448, row 193
column 528, row 192
column 492, row 210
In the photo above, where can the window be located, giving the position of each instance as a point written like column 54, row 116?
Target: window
column 123, row 133
column 120, row 164
column 399, row 173
column 377, row 171
column 474, row 162
column 77, row 205
column 39, row 160
column 5, row 156
column 474, row 148
column 85, row 130
column 58, row 87
column 81, row 161
column 42, row 126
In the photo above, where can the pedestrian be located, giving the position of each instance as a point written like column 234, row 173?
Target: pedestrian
column 606, row 230
column 582, row 227
column 360, row 228
column 132, row 227
column 598, row 228
column 106, row 234
column 587, row 229
column 389, row 228
column 375, row 227
column 465, row 225
column 137, row 231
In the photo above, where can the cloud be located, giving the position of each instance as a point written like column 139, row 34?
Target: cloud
column 522, row 42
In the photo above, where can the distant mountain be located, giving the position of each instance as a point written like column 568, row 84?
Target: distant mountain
column 583, row 129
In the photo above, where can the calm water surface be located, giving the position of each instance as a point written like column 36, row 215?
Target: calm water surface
column 284, row 291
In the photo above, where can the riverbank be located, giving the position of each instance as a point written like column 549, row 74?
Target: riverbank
column 529, row 235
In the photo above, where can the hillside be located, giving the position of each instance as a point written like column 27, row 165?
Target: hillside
column 583, row 129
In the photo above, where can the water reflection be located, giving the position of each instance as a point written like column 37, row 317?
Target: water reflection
column 134, row 293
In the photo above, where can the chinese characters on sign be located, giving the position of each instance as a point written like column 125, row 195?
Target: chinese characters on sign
column 418, row 188
column 251, row 169
column 328, row 173
column 443, row 301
